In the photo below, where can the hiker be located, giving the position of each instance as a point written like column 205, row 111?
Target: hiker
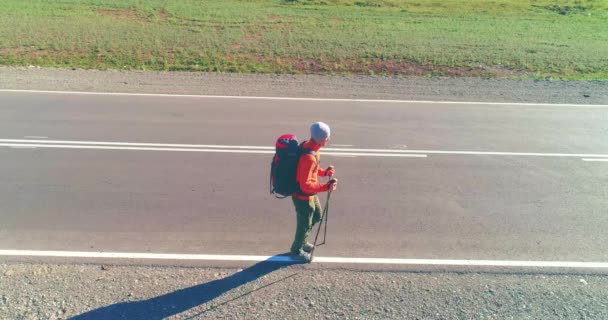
column 305, row 200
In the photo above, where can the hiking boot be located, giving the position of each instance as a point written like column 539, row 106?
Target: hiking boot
column 302, row 255
column 308, row 247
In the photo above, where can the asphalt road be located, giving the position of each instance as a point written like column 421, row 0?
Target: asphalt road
column 471, row 181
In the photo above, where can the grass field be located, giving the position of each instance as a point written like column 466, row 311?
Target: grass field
column 488, row 38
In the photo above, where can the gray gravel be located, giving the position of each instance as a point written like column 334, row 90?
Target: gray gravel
column 50, row 291
column 407, row 88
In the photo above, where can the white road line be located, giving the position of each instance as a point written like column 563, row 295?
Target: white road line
column 494, row 153
column 354, row 154
column 67, row 146
column 171, row 145
column 59, row 146
column 302, row 99
column 596, row 160
column 327, row 151
column 217, row 257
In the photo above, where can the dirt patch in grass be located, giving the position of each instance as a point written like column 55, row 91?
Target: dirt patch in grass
column 365, row 67
column 117, row 14
column 33, row 52
column 248, row 62
column 564, row 10
column 162, row 15
column 391, row 67
column 8, row 52
column 127, row 14
column 248, row 39
column 52, row 54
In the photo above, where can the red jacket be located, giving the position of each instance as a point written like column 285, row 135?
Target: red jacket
column 308, row 172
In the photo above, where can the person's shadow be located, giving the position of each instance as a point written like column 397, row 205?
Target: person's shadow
column 184, row 299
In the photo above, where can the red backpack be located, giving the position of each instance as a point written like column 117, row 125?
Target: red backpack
column 284, row 165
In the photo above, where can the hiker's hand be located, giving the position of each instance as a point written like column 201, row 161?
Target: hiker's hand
column 330, row 171
column 333, row 184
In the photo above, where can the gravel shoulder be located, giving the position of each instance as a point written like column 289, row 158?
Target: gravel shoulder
column 55, row 291
column 364, row 87
column 61, row 291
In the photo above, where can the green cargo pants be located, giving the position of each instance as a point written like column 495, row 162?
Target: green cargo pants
column 308, row 214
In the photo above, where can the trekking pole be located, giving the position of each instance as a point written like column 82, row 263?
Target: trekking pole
column 326, row 214
column 314, row 246
column 324, row 218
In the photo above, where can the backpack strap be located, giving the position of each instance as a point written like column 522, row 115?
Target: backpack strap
column 304, row 151
column 307, row 151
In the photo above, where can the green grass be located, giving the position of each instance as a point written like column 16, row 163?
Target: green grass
column 530, row 38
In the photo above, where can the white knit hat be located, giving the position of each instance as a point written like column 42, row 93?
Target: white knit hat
column 319, row 131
